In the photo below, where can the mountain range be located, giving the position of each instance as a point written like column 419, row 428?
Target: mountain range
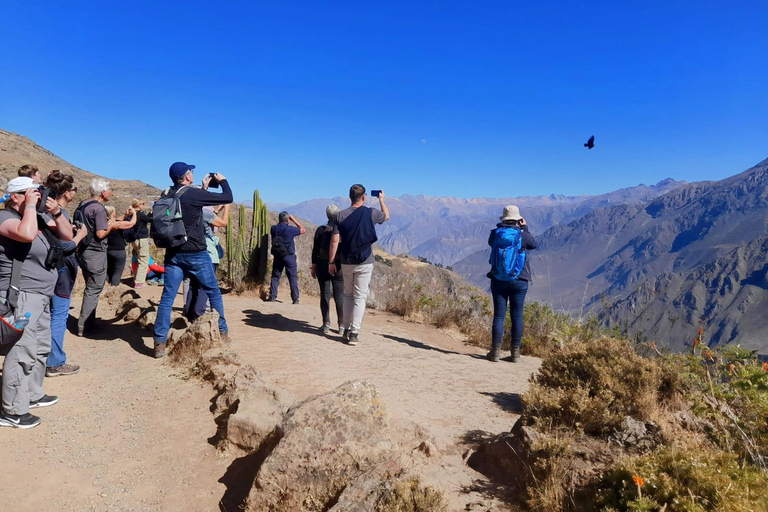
column 445, row 230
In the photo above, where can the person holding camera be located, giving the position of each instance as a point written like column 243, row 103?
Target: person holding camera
column 509, row 275
column 93, row 250
column 62, row 187
column 355, row 235
column 191, row 258
column 284, row 251
column 29, row 256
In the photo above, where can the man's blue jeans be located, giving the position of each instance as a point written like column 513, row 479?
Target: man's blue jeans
column 59, row 316
column 514, row 293
column 199, row 266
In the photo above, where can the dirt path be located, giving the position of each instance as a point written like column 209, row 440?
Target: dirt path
column 129, row 434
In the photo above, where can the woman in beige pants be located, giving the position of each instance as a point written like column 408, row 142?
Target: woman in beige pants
column 140, row 244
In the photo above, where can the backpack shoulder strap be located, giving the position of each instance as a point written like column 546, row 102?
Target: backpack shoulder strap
column 13, row 292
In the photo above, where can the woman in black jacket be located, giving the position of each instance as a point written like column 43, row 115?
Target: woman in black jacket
column 509, row 280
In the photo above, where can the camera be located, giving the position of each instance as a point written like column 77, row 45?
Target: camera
column 45, row 193
column 375, row 193
column 213, row 183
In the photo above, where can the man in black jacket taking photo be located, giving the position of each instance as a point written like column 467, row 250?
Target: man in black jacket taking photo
column 190, row 259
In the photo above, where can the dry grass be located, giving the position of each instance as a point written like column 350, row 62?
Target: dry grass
column 411, row 496
column 592, row 386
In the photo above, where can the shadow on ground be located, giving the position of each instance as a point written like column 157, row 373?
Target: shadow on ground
column 240, row 476
column 278, row 322
column 509, row 402
column 424, row 346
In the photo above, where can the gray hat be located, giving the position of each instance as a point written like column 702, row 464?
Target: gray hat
column 332, row 211
column 511, row 212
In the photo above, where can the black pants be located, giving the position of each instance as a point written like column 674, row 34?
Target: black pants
column 330, row 283
column 115, row 266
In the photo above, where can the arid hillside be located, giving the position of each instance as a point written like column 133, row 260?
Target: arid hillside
column 17, row 150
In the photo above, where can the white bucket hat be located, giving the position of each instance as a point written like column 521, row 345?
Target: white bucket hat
column 511, row 212
column 20, row 184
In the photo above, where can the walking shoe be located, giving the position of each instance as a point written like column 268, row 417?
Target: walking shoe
column 296, row 301
column 345, row 334
column 45, row 401
column 139, row 285
column 80, row 333
column 18, row 420
column 62, row 369
column 326, row 328
column 494, row 353
column 225, row 339
column 352, row 340
column 160, row 350
column 516, row 354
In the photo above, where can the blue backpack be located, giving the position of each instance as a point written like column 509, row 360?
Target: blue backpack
column 507, row 254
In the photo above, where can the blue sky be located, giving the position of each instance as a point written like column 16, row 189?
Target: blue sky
column 302, row 99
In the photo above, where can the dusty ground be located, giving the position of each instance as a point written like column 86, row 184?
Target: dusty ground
column 130, row 434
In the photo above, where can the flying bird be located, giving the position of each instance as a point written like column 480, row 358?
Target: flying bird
column 590, row 143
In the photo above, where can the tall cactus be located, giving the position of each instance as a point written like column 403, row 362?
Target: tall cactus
column 247, row 245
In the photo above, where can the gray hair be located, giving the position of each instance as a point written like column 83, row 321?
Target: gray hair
column 98, row 185
column 110, row 210
column 332, row 211
column 283, row 217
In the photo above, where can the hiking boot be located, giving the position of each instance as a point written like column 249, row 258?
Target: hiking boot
column 18, row 420
column 494, row 353
column 62, row 369
column 326, row 328
column 352, row 340
column 296, row 301
column 345, row 334
column 45, row 401
column 225, row 339
column 515, row 354
column 80, row 333
column 160, row 350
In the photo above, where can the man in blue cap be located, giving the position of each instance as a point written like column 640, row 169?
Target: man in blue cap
column 190, row 259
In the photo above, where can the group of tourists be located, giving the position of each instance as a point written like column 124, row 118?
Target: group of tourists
column 342, row 259
column 342, row 263
column 42, row 248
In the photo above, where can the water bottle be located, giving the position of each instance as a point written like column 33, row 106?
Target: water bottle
column 22, row 322
column 5, row 198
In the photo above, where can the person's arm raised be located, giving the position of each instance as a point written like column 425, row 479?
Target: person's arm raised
column 298, row 225
column 25, row 229
column 384, row 208
column 200, row 197
column 221, row 222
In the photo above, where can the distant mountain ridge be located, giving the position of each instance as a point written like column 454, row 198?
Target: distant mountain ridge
column 692, row 257
column 446, row 229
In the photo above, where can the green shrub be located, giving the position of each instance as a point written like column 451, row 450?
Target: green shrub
column 691, row 480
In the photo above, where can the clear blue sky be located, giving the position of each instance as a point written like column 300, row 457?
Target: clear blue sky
column 302, row 99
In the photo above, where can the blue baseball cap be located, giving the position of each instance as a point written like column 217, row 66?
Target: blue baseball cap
column 179, row 169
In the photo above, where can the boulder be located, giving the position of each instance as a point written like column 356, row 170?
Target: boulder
column 256, row 409
column 328, row 442
column 202, row 335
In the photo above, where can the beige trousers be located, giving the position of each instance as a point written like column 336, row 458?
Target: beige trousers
column 141, row 250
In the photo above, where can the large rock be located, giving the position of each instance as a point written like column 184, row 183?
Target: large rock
column 256, row 409
column 329, row 441
column 202, row 335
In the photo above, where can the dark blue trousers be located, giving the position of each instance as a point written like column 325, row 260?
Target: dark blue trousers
column 291, row 270
column 512, row 292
